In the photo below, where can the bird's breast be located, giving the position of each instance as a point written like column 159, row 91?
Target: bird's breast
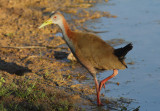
column 69, row 42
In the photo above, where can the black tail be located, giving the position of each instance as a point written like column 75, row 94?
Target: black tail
column 121, row 52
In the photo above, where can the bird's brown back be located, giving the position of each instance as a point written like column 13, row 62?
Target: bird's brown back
column 95, row 51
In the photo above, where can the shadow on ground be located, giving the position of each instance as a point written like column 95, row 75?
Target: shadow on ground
column 13, row 68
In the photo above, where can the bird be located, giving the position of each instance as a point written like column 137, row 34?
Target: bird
column 91, row 51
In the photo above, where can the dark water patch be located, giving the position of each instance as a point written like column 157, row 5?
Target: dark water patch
column 60, row 55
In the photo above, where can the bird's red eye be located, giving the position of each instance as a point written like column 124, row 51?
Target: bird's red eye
column 55, row 17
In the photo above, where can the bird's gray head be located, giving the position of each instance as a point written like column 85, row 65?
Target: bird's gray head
column 55, row 18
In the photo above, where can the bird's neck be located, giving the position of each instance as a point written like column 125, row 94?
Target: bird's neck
column 67, row 34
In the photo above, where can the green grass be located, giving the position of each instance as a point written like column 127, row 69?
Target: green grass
column 25, row 96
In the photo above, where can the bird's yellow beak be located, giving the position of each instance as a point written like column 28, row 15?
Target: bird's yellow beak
column 49, row 21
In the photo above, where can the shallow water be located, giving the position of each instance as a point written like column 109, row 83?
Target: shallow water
column 138, row 22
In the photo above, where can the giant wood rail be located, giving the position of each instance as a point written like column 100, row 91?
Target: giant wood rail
column 91, row 51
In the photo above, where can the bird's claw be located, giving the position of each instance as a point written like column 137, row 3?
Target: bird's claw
column 100, row 104
column 101, row 85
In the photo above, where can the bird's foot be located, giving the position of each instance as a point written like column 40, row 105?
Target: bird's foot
column 100, row 104
column 102, row 84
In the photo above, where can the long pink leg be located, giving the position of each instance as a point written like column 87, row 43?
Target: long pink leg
column 98, row 92
column 102, row 83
